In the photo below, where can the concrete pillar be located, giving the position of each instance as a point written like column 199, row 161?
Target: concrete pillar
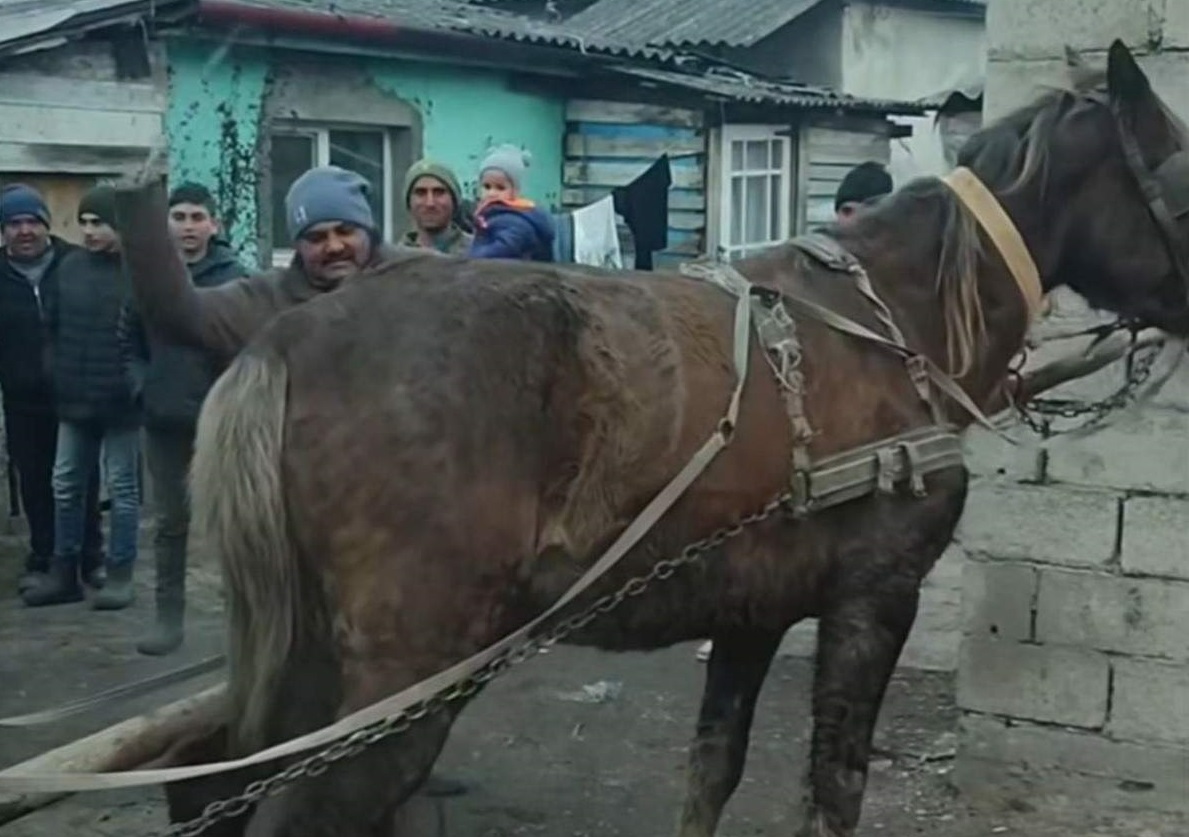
column 1074, row 668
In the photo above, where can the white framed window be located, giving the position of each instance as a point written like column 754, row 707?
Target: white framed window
column 296, row 148
column 756, row 189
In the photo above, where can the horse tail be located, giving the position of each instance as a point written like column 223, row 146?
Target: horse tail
column 238, row 506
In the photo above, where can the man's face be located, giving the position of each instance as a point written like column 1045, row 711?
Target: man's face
column 333, row 251
column 26, row 237
column 431, row 204
column 98, row 236
column 192, row 227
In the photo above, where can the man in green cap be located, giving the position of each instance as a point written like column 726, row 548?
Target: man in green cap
column 433, row 197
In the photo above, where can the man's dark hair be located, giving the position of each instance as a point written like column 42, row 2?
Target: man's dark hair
column 862, row 184
column 193, row 193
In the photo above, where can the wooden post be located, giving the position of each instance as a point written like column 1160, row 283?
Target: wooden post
column 144, row 742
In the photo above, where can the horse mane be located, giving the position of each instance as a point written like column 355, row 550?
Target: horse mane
column 1009, row 155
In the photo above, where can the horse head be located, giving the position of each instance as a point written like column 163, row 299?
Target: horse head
column 1096, row 177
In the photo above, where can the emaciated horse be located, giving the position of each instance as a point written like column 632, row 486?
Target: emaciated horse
column 399, row 473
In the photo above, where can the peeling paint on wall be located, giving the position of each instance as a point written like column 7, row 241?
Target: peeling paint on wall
column 465, row 112
column 213, row 123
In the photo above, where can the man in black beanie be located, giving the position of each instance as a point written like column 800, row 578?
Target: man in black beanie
column 97, row 411
column 863, row 185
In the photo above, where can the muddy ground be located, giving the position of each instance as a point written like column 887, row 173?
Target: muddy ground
column 575, row 743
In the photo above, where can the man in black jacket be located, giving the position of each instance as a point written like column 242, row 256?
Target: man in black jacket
column 29, row 269
column 173, row 381
column 97, row 411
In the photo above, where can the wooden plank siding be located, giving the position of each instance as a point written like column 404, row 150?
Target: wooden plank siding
column 609, row 144
column 53, row 124
column 825, row 156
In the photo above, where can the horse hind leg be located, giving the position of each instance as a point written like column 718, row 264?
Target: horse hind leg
column 859, row 642
column 737, row 667
column 363, row 794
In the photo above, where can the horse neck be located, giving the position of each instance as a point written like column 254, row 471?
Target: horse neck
column 901, row 245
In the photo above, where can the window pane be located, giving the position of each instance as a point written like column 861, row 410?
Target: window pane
column 757, row 155
column 736, row 155
column 775, row 207
column 363, row 152
column 756, row 200
column 292, row 154
column 736, row 210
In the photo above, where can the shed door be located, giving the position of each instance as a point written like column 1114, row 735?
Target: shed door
column 62, row 193
column 827, row 154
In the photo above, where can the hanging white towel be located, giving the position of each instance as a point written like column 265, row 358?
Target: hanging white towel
column 596, row 240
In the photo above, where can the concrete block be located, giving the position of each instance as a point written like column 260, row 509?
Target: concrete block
column 1042, row 28
column 1049, row 524
column 1150, row 703
column 1013, row 84
column 1140, row 450
column 1155, row 537
column 1005, row 759
column 1176, row 24
column 1110, row 613
column 998, row 599
column 1037, row 683
column 988, row 455
column 1167, row 71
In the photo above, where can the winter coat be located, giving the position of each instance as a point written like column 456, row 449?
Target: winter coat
column 82, row 314
column 516, row 229
column 25, row 375
column 173, row 380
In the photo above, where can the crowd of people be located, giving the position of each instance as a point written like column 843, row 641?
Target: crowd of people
column 90, row 364
column 95, row 358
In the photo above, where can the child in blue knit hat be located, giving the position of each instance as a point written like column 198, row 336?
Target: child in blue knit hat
column 507, row 225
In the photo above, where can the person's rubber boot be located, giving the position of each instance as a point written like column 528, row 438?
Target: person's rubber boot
column 60, row 585
column 93, row 572
column 36, row 568
column 118, row 592
column 167, row 634
column 438, row 786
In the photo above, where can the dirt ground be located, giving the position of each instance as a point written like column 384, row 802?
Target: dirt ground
column 575, row 743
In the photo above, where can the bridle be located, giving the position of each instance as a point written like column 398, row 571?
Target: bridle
column 1165, row 188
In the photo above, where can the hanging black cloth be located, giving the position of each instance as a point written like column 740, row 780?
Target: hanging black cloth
column 644, row 205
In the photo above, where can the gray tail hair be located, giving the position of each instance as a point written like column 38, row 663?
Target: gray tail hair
column 238, row 506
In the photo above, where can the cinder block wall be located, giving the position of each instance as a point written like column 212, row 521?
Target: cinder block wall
column 1074, row 667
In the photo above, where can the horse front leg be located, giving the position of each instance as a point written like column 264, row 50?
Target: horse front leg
column 859, row 642
column 737, row 667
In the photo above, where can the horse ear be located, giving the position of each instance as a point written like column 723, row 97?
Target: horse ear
column 1128, row 85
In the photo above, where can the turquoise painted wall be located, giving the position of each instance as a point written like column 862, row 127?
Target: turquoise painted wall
column 465, row 112
column 213, row 125
column 214, row 122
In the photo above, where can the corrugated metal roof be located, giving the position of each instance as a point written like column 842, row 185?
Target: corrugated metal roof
column 461, row 16
column 739, row 87
column 675, row 23
column 27, row 24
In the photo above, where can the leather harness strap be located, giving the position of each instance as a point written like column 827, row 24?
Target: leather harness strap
column 995, row 222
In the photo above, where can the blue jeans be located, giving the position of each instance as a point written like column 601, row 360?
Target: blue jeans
column 79, row 445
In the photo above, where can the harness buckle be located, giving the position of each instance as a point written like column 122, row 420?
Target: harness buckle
column 800, row 502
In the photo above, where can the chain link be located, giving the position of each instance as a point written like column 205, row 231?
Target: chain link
column 1039, row 413
column 357, row 742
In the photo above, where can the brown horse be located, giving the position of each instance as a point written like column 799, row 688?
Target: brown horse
column 401, row 472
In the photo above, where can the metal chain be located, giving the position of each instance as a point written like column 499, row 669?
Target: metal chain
column 1039, row 413
column 360, row 740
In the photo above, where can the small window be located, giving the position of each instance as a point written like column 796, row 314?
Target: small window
column 755, row 191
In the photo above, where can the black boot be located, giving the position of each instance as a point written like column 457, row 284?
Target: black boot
column 58, row 586
column 117, row 592
column 36, row 568
column 94, row 573
column 167, row 634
